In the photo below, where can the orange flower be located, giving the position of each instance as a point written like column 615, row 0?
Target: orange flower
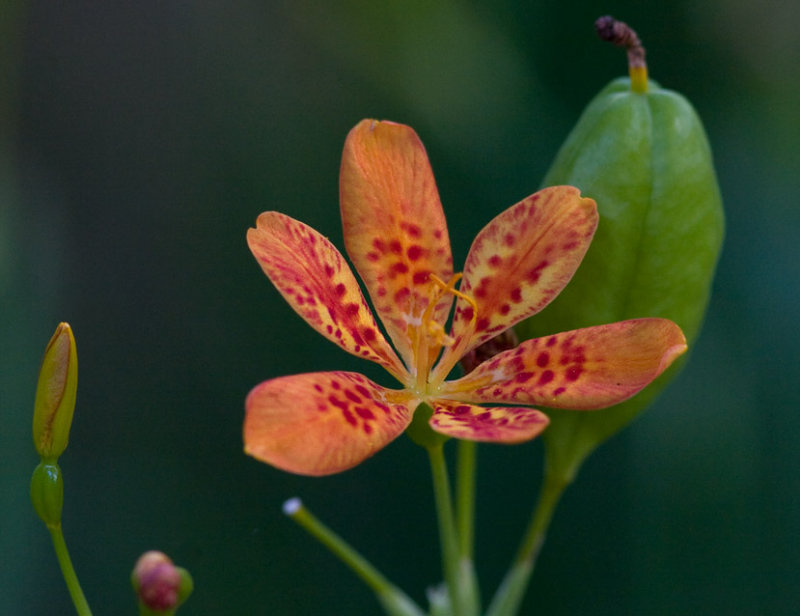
column 395, row 234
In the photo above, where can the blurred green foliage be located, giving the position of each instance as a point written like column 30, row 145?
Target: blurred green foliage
column 141, row 142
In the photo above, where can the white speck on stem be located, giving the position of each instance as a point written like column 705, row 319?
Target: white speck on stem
column 292, row 506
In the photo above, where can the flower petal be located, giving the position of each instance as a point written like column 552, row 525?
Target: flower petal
column 522, row 259
column 394, row 227
column 587, row 368
column 322, row 422
column 494, row 425
column 314, row 278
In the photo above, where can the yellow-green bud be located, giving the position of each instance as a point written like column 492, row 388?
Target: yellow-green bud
column 55, row 394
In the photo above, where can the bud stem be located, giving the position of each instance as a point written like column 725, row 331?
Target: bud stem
column 465, row 498
column 622, row 35
column 509, row 596
column 394, row 601
column 459, row 574
column 68, row 571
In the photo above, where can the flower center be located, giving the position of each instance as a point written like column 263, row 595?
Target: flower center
column 431, row 337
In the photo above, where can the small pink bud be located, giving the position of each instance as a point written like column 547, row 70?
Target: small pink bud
column 156, row 581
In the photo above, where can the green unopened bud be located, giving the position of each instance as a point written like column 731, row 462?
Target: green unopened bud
column 159, row 584
column 55, row 394
column 47, row 493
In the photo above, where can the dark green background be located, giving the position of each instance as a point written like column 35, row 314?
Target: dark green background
column 141, row 140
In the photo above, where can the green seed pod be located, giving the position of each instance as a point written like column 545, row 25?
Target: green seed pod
column 641, row 152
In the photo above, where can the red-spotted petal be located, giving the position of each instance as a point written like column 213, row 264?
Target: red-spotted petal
column 314, row 278
column 522, row 259
column 323, row 422
column 394, row 227
column 586, row 369
column 495, row 425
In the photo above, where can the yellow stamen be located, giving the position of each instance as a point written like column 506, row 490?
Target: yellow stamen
column 454, row 354
column 436, row 331
column 431, row 336
column 449, row 287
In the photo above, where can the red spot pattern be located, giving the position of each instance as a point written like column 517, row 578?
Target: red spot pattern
column 536, row 272
column 402, row 295
column 523, row 258
column 364, row 413
column 546, row 377
column 359, row 402
column 398, row 268
column 313, row 277
column 414, row 230
column 573, row 373
column 509, row 425
column 532, row 373
column 421, row 277
column 414, row 252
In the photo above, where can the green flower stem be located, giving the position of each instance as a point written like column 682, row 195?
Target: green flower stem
column 465, row 497
column 394, row 601
column 465, row 518
column 68, row 571
column 458, row 572
column 508, row 598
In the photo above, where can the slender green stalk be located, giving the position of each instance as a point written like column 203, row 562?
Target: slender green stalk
column 394, row 601
column 68, row 571
column 465, row 522
column 508, row 598
column 465, row 497
column 552, row 489
column 458, row 574
column 447, row 528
